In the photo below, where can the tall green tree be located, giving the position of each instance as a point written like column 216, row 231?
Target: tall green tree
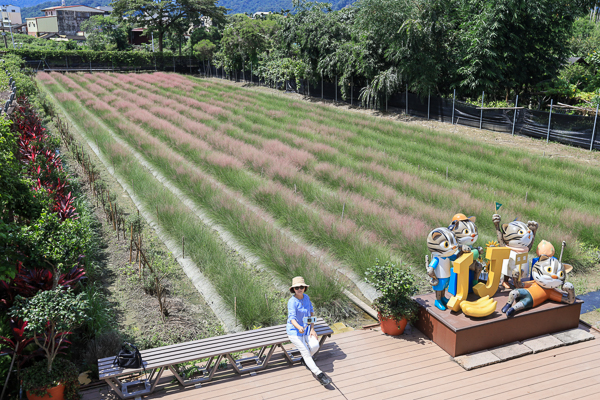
column 509, row 45
column 105, row 33
column 245, row 39
column 161, row 16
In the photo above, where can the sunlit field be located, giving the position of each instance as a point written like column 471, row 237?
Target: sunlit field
column 357, row 187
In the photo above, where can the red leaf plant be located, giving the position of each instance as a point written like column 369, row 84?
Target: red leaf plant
column 28, row 282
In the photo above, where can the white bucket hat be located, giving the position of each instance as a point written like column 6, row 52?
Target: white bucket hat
column 298, row 281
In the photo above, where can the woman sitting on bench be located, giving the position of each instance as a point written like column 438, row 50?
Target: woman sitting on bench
column 300, row 327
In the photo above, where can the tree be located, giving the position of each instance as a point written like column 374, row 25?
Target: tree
column 161, row 16
column 105, row 33
column 512, row 44
column 244, row 39
column 408, row 41
column 205, row 49
column 50, row 317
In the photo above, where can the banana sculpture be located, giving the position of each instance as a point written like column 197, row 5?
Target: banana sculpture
column 480, row 308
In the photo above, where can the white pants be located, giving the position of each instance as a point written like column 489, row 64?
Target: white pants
column 307, row 346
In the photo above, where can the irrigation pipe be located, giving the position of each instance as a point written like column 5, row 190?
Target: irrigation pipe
column 202, row 284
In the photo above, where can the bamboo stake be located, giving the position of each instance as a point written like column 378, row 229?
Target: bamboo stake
column 141, row 254
column 10, row 369
column 131, row 243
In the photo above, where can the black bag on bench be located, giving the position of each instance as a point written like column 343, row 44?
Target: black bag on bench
column 128, row 358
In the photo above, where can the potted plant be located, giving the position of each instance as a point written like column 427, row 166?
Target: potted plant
column 395, row 306
column 50, row 317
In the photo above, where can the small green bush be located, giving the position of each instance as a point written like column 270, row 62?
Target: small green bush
column 397, row 286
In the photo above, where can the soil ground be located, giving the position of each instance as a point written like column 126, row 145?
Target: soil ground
column 136, row 312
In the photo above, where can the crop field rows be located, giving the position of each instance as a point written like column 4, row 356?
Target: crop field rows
column 309, row 189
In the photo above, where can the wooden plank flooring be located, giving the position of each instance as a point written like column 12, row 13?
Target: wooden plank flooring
column 370, row 365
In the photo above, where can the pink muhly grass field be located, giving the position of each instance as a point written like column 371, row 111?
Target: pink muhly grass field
column 95, row 88
column 65, row 96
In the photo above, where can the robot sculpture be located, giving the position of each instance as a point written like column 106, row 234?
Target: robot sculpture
column 518, row 237
column 465, row 231
column 549, row 274
column 443, row 247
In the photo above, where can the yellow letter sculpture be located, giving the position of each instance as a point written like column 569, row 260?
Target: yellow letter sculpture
column 461, row 268
column 496, row 255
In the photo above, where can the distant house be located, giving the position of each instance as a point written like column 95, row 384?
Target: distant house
column 137, row 37
column 11, row 15
column 63, row 20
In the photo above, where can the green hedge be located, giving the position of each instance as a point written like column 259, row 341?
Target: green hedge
column 130, row 58
column 14, row 64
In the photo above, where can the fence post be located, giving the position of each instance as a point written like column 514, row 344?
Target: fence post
column 321, row 84
column 173, row 63
column 406, row 99
column 453, row 99
column 336, row 88
column 251, row 73
column 594, row 131
column 67, row 62
column 549, row 121
column 351, row 90
column 481, row 115
column 515, row 115
column 428, row 103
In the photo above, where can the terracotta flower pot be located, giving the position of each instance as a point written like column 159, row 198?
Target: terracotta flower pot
column 391, row 326
column 55, row 393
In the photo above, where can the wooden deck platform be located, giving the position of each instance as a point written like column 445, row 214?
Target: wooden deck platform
column 371, row 365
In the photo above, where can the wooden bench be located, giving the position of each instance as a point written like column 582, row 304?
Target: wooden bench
column 214, row 349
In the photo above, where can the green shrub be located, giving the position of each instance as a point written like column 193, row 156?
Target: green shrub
column 397, row 286
column 37, row 380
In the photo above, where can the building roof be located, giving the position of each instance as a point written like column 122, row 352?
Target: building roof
column 49, row 16
column 74, row 8
column 578, row 60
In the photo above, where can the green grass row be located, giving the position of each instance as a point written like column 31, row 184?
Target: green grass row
column 430, row 188
column 278, row 253
column 343, row 238
column 562, row 195
column 231, row 279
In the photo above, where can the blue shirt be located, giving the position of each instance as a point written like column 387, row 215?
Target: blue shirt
column 298, row 309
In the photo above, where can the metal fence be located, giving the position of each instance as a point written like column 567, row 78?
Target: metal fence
column 574, row 130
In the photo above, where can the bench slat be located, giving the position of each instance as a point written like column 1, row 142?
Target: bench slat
column 219, row 341
column 205, row 348
column 231, row 336
column 216, row 347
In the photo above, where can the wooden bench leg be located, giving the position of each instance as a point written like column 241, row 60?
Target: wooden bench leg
column 202, row 379
column 260, row 360
column 121, row 388
column 321, row 344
